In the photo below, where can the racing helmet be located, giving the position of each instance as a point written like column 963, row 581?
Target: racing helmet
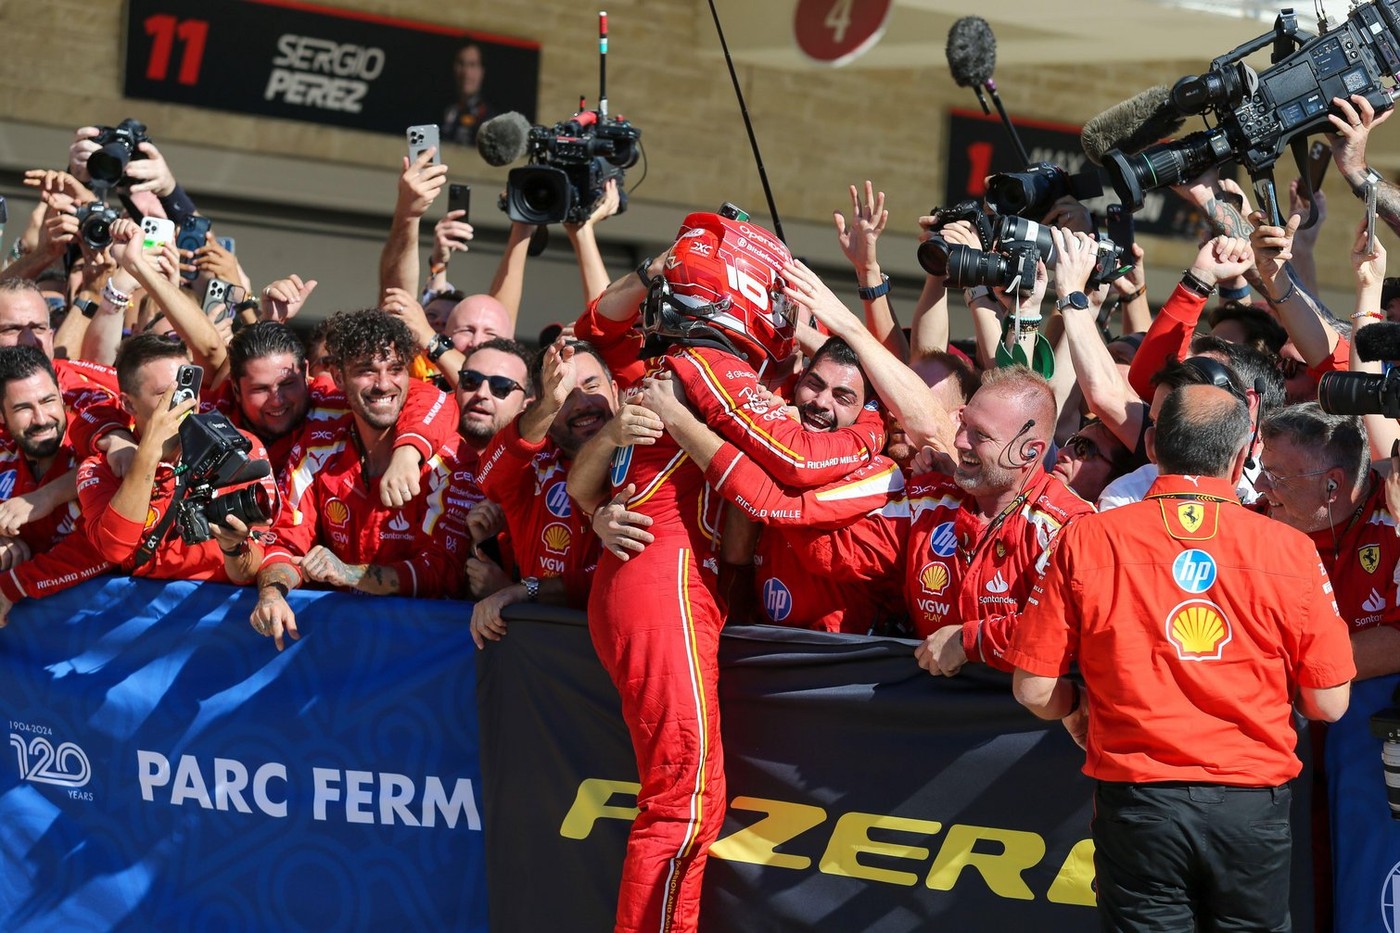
column 721, row 283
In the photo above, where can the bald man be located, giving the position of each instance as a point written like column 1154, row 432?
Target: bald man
column 979, row 532
column 473, row 321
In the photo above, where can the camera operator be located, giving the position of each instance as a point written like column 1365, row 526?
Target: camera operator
column 43, row 549
column 1193, row 656
column 119, row 511
column 335, row 528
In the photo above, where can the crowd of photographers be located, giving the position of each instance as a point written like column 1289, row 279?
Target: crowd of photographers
column 165, row 416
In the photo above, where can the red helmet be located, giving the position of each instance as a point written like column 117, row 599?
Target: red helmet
column 722, row 282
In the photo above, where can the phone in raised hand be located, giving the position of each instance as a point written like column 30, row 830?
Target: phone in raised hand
column 187, row 381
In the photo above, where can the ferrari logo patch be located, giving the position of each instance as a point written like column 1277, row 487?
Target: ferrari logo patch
column 1370, row 557
column 1190, row 515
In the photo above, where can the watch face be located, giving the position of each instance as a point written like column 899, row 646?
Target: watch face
column 1076, row 300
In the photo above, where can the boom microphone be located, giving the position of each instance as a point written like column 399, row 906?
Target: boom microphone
column 1378, row 341
column 1132, row 125
column 501, row 140
column 972, row 52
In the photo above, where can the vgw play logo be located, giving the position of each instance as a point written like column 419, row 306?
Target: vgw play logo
column 40, row 761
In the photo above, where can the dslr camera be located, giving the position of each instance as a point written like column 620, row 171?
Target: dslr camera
column 570, row 162
column 1011, row 245
column 1360, row 393
column 117, row 145
column 95, row 221
column 214, row 456
column 1258, row 113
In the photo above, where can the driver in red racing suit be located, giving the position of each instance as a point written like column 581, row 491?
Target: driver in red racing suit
column 719, row 309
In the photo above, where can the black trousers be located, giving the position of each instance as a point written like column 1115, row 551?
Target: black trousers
column 1190, row 857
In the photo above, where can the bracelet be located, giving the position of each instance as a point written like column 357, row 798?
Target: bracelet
column 1372, row 315
column 1193, row 284
column 875, row 291
column 119, row 300
column 1135, row 295
column 1234, row 294
column 437, row 347
column 1292, row 287
column 437, row 268
column 647, row 280
column 243, row 548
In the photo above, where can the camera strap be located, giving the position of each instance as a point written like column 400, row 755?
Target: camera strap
column 147, row 548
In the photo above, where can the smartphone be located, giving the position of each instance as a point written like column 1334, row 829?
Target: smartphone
column 157, row 231
column 191, row 237
column 1120, row 228
column 459, row 198
column 227, row 242
column 1370, row 218
column 219, row 291
column 187, row 380
column 421, row 138
column 1319, row 157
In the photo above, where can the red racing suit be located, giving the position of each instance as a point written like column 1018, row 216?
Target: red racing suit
column 330, row 502
column 62, row 554
column 963, row 571
column 655, row 622
column 117, row 538
column 830, row 558
column 549, row 535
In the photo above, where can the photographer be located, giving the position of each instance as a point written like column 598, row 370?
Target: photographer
column 120, row 511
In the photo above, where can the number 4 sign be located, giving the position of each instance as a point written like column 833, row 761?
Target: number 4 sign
column 837, row 32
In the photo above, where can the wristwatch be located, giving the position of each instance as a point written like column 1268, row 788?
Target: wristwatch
column 437, row 347
column 647, row 280
column 532, row 589
column 1077, row 300
column 874, row 291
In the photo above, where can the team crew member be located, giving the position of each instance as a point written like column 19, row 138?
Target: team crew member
column 525, row 470
column 119, row 511
column 979, row 531
column 38, row 471
column 24, row 322
column 655, row 618
column 1197, row 624
column 829, row 558
column 1315, row 476
column 335, row 529
column 268, row 395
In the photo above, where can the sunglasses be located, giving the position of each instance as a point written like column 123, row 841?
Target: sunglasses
column 1083, row 449
column 501, row 386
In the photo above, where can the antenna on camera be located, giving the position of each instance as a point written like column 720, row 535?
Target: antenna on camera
column 748, row 125
column 602, row 65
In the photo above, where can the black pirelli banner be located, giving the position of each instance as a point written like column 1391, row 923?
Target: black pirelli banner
column 864, row 793
column 978, row 146
column 300, row 61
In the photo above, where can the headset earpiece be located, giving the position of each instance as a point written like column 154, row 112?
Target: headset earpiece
column 1331, row 486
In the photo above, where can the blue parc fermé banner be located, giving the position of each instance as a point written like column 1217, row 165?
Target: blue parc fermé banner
column 168, row 769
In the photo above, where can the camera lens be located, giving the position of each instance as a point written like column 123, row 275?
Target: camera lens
column 933, row 255
column 251, row 505
column 1018, row 192
column 96, row 229
column 1167, row 164
column 1021, row 230
column 108, row 164
column 1353, row 394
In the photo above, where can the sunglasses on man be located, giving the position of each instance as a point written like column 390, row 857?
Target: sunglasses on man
column 501, row 386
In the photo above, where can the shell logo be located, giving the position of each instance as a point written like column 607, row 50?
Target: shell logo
column 1198, row 630
column 934, row 577
column 152, row 516
column 557, row 538
column 337, row 512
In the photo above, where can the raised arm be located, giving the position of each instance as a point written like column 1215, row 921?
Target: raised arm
column 868, row 219
column 582, row 236
column 913, row 404
column 1369, row 269
column 419, row 185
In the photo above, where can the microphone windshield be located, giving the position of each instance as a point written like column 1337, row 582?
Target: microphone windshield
column 501, row 140
column 1132, row 125
column 972, row 51
column 1379, row 341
